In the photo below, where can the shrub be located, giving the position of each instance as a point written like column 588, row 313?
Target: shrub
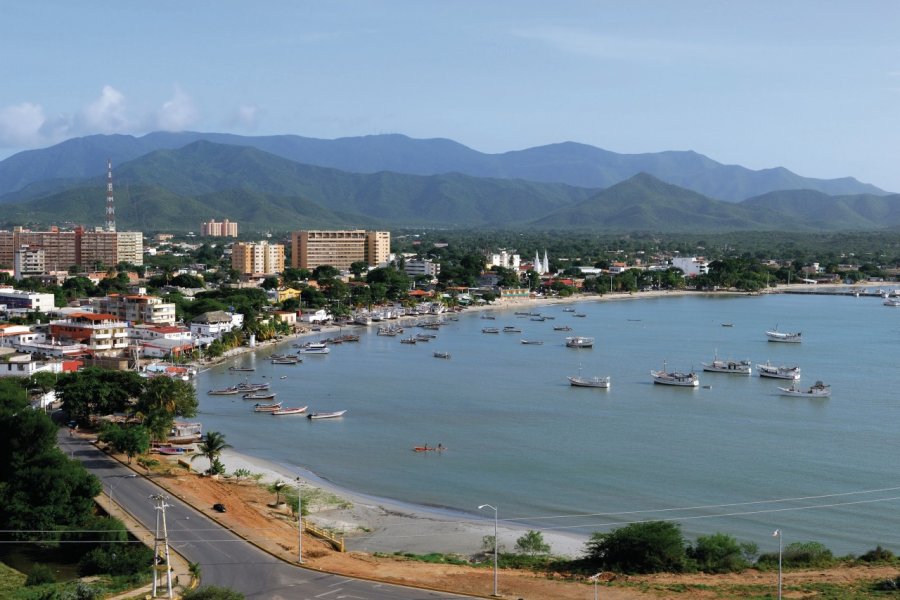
column 647, row 547
column 878, row 554
column 799, row 555
column 40, row 574
column 532, row 543
column 212, row 592
column 720, row 553
column 121, row 559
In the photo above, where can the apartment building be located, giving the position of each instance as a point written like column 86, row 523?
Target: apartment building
column 137, row 308
column 339, row 249
column 260, row 258
column 224, row 228
column 78, row 247
column 28, row 262
column 104, row 334
column 29, row 301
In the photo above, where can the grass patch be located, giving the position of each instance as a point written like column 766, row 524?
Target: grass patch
column 432, row 558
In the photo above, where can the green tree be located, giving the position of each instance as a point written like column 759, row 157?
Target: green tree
column 39, row 575
column 358, row 267
column 648, row 547
column 174, row 396
column 532, row 543
column 211, row 448
column 720, row 553
column 130, row 440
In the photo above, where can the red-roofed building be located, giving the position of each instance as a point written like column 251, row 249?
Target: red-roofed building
column 137, row 308
column 103, row 334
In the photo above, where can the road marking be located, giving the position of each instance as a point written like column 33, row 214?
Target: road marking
column 340, row 582
column 323, row 594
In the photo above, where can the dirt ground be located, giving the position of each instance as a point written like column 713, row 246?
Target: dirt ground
column 250, row 514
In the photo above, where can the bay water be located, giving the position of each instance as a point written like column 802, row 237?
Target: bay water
column 731, row 456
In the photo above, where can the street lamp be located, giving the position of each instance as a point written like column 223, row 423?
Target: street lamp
column 299, row 521
column 779, row 536
column 112, row 487
column 594, row 578
column 496, row 542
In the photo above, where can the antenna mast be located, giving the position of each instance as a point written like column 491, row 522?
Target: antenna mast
column 110, row 206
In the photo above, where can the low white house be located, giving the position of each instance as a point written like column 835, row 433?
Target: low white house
column 319, row 316
column 215, row 324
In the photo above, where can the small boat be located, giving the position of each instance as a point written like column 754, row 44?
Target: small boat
column 408, row 340
column 582, row 315
column 488, row 317
column 251, row 387
column 229, row 391
column 267, row 407
column 490, row 330
column 259, row 396
column 511, row 329
column 892, row 302
column 283, row 377
column 539, row 318
column 424, row 337
column 427, row 448
column 591, row 382
column 326, row 415
column 287, row 360
column 579, row 341
column 562, row 328
column 665, row 377
column 314, row 348
column 734, row 367
column 349, row 337
column 532, row 342
column 778, row 372
column 780, row 336
column 568, row 310
column 241, row 369
column 727, row 324
column 296, row 410
column 442, row 355
column 818, row 390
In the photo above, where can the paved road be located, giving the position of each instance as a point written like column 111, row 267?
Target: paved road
column 225, row 559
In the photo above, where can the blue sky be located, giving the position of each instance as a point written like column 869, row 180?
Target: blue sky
column 813, row 86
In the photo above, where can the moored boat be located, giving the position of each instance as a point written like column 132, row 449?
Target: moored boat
column 287, row 360
column 442, row 355
column 892, row 301
column 289, row 410
column 314, row 348
column 326, row 415
column 734, row 367
column 511, row 329
column 778, row 372
column 676, row 378
column 817, row 390
column 229, row 391
column 562, row 328
column 579, row 341
column 592, row 382
column 489, row 330
column 532, row 342
column 408, row 340
column 267, row 407
column 781, row 336
column 259, row 396
column 241, row 369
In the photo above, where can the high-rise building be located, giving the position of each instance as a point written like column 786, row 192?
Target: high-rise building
column 339, row 249
column 224, row 228
column 260, row 258
column 28, row 262
column 79, row 247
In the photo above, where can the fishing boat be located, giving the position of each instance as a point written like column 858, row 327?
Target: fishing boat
column 326, row 415
column 734, row 367
column 539, row 318
column 287, row 360
column 408, row 340
column 676, row 378
column 442, row 355
column 267, row 407
column 511, row 329
column 259, row 396
column 781, row 336
column 817, row 390
column 579, row 341
column 427, row 448
column 424, row 337
column 591, row 382
column 229, row 391
column 582, row 315
column 241, row 369
column 251, row 387
column 562, row 328
column 488, row 317
column 727, row 324
column 778, row 372
column 295, row 410
column 489, row 330
column 892, row 301
column 314, row 348
column 532, row 342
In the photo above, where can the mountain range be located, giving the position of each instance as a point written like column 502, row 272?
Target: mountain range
column 174, row 181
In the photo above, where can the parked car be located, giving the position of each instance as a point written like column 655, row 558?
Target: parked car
column 219, row 507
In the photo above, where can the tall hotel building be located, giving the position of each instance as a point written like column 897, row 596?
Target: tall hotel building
column 225, row 228
column 339, row 249
column 257, row 259
column 78, row 247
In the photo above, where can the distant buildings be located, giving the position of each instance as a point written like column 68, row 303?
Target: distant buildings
column 260, row 258
column 503, row 259
column 415, row 267
column 340, row 249
column 225, row 228
column 137, row 308
column 692, row 266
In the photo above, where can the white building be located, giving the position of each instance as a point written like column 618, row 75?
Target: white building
column 691, row 265
column 319, row 316
column 215, row 324
column 28, row 301
column 416, row 267
column 28, row 262
column 503, row 259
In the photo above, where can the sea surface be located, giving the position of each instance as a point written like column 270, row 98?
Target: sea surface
column 731, row 456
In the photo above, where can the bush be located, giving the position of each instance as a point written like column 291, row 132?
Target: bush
column 122, row 559
column 40, row 574
column 648, row 547
column 212, row 592
column 720, row 553
column 799, row 555
column 879, row 554
column 532, row 543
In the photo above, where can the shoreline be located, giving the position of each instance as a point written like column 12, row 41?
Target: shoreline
column 374, row 524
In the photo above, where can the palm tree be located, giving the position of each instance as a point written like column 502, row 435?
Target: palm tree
column 211, row 447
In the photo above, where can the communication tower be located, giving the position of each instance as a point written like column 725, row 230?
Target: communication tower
column 110, row 206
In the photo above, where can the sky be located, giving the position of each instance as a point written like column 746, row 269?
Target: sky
column 813, row 86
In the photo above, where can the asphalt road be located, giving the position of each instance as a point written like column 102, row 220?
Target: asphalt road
column 225, row 559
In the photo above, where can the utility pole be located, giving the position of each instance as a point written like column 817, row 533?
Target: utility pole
column 161, row 562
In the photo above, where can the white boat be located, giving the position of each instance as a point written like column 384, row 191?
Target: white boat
column 818, row 390
column 781, row 336
column 568, row 310
column 511, row 329
column 579, row 341
column 665, row 377
column 266, row 407
column 326, row 415
column 778, row 372
column 287, row 360
column 314, row 348
column 591, row 382
column 892, row 301
column 742, row 367
column 295, row 410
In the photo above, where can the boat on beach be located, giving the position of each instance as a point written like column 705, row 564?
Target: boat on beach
column 326, row 415
column 733, row 367
column 267, row 407
column 288, row 410
column 665, row 377
column 778, row 372
column 781, row 336
column 579, row 341
column 817, row 390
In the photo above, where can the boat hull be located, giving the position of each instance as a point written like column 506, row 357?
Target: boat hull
column 590, row 382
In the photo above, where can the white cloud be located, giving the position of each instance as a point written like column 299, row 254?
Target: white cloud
column 245, row 116
column 105, row 115
column 21, row 125
column 178, row 113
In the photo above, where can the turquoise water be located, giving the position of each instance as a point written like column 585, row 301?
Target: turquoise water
column 587, row 459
